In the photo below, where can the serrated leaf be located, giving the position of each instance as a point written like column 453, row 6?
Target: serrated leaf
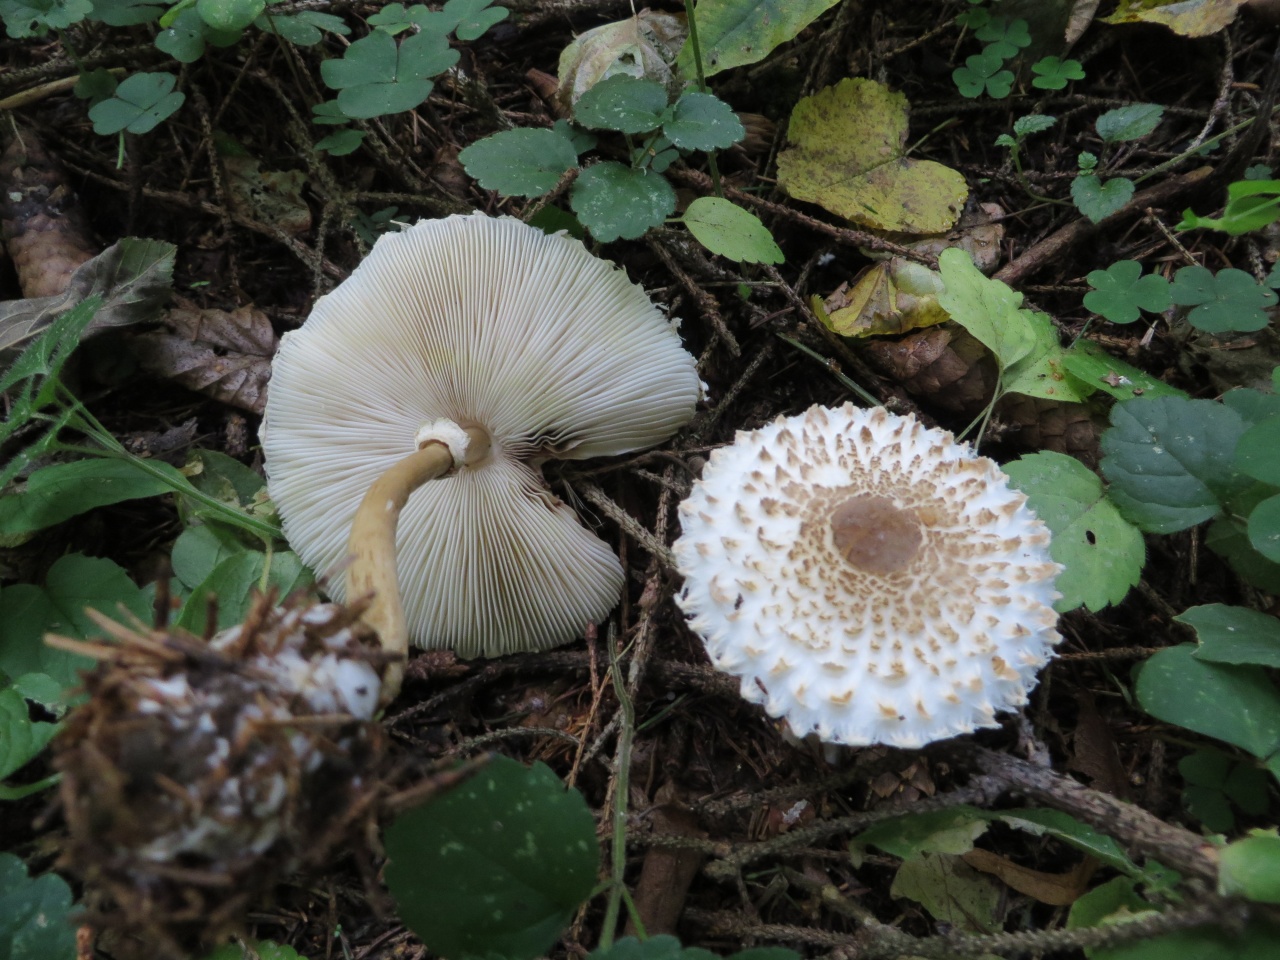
column 614, row 201
column 725, row 228
column 1170, row 461
column 847, row 154
column 1236, row 704
column 56, row 493
column 28, row 612
column 701, row 121
column 495, row 866
column 1130, row 122
column 732, row 33
column 139, row 104
column 1032, row 123
column 1098, row 200
column 35, row 922
column 21, row 738
column 1120, row 292
column 1234, row 635
column 987, row 308
column 623, row 103
column 1102, row 553
column 525, row 162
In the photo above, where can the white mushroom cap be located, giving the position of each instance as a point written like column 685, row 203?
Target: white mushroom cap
column 486, row 323
column 868, row 579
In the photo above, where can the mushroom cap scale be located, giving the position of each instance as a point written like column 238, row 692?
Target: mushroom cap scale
column 489, row 323
column 867, row 578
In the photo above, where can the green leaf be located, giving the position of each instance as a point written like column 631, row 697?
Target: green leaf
column 1091, row 364
column 951, row 891
column 1041, row 373
column 1052, row 73
column 21, row 738
column 1234, row 635
column 1228, row 537
column 28, row 612
column 394, row 18
column 1170, row 461
column 377, row 77
column 987, row 308
column 1098, row 200
column 1250, row 868
column 1251, row 205
column 260, row 949
column 125, row 13
column 1120, row 292
column 495, row 866
column 305, row 28
column 199, row 549
column 1008, row 35
column 57, row 493
column 1032, row 123
column 732, row 33
column 1264, row 528
column 525, row 162
column 615, row 201
column 35, row 18
column 1228, row 300
column 662, row 947
column 848, row 154
column 914, row 835
column 341, row 142
column 984, row 73
column 184, row 39
column 725, row 228
column 233, row 582
column 1129, row 122
column 139, row 104
column 473, row 17
column 1063, row 826
column 228, row 15
column 1102, row 553
column 701, row 121
column 1236, row 704
column 35, row 921
column 95, row 85
column 623, row 103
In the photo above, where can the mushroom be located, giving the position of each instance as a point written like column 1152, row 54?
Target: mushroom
column 869, row 579
column 468, row 349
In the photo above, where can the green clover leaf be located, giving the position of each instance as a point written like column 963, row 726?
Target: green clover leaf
column 394, row 18
column 1120, row 292
column 1053, row 73
column 230, row 14
column 1098, row 200
column 1229, row 300
column 375, row 77
column 185, row 38
column 35, row 18
column 980, row 72
column 304, row 28
column 341, row 142
column 1004, row 37
column 473, row 17
column 139, row 104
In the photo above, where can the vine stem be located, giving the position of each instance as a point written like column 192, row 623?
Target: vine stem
column 621, row 791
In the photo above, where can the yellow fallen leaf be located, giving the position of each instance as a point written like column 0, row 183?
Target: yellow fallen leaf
column 1188, row 18
column 847, row 155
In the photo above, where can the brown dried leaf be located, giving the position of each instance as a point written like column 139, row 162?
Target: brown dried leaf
column 1055, row 889
column 41, row 222
column 133, row 276
column 224, row 354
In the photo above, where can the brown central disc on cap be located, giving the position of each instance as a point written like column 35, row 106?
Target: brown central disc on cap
column 874, row 535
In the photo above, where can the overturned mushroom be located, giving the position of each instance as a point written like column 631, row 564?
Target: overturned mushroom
column 868, row 579
column 469, row 349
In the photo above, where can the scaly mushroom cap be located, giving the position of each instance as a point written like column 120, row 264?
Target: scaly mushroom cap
column 487, row 323
column 868, row 579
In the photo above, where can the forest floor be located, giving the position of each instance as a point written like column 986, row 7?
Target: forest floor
column 766, row 854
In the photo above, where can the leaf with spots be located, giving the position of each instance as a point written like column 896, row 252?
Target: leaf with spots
column 495, row 866
column 1102, row 554
column 1237, row 704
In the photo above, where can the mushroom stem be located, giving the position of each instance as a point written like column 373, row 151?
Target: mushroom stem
column 372, row 543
